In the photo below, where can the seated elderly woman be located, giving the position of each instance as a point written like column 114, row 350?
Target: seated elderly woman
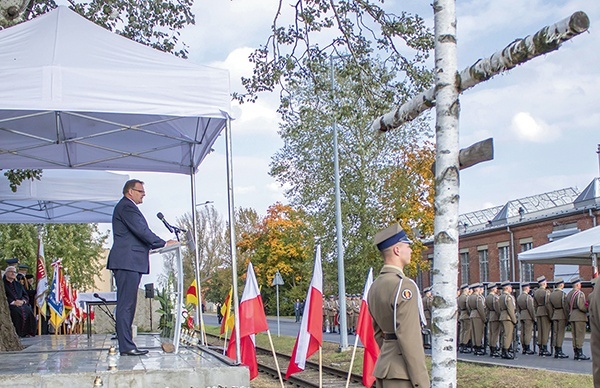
column 20, row 310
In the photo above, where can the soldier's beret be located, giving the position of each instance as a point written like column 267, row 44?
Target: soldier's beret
column 474, row 286
column 541, row 279
column 427, row 289
column 463, row 286
column 523, row 285
column 505, row 283
column 559, row 281
column 23, row 266
column 491, row 286
column 29, row 276
column 578, row 280
column 12, row 261
column 390, row 236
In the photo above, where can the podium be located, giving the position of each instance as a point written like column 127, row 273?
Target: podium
column 170, row 285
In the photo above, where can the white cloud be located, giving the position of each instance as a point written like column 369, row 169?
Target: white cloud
column 529, row 129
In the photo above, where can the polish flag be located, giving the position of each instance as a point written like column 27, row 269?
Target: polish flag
column 252, row 320
column 310, row 337
column 364, row 330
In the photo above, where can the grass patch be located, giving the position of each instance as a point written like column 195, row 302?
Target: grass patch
column 468, row 374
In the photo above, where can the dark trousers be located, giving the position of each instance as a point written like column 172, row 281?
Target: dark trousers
column 127, row 290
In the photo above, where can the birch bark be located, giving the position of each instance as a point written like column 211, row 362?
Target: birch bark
column 445, row 259
column 518, row 52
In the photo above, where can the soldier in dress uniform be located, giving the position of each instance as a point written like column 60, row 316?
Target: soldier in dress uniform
column 594, row 309
column 326, row 327
column 428, row 305
column 464, row 320
column 332, row 310
column 356, row 301
column 526, row 316
column 540, row 301
column 558, row 305
column 349, row 314
column 397, row 310
column 477, row 314
column 578, row 308
column 491, row 304
column 507, row 318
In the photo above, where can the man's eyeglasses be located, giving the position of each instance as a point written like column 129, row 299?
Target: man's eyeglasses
column 139, row 191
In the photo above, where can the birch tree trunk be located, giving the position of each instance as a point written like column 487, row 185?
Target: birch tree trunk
column 520, row 51
column 445, row 257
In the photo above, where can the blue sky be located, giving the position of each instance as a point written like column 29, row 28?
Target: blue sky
column 544, row 116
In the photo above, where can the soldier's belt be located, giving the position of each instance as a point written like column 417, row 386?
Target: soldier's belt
column 390, row 336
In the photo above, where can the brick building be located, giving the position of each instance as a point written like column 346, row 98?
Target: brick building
column 491, row 239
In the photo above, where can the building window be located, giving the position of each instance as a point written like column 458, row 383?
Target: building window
column 484, row 270
column 464, row 267
column 526, row 268
column 503, row 256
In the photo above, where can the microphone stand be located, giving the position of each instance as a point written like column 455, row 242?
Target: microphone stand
column 176, row 230
column 104, row 307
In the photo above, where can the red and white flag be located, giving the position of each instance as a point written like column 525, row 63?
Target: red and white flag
column 364, row 330
column 252, row 320
column 310, row 337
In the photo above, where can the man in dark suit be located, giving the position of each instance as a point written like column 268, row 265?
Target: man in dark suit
column 129, row 259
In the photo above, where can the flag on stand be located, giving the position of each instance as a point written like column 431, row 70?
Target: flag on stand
column 55, row 298
column 227, row 321
column 191, row 296
column 364, row 330
column 41, row 279
column 310, row 336
column 252, row 320
column 66, row 293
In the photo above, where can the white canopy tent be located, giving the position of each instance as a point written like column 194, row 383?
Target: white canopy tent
column 581, row 248
column 75, row 196
column 75, row 95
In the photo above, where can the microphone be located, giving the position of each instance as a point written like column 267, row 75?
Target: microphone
column 99, row 297
column 162, row 218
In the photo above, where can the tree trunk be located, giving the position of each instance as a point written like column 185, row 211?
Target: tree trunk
column 520, row 51
column 445, row 259
column 9, row 341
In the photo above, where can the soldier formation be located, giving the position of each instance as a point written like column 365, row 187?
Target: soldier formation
column 493, row 321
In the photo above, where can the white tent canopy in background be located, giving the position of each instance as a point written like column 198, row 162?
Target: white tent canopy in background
column 579, row 248
column 75, row 95
column 62, row 196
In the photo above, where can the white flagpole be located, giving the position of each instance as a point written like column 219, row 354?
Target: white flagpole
column 320, row 367
column 275, row 358
column 352, row 361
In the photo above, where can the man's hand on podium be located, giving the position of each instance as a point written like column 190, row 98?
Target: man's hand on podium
column 171, row 242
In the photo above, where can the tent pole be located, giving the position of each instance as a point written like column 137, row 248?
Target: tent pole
column 232, row 242
column 199, row 318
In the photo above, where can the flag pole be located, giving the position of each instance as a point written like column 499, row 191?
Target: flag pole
column 352, row 361
column 320, row 367
column 225, row 342
column 275, row 358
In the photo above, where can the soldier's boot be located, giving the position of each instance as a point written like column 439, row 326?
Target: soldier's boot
column 492, row 350
column 468, row 348
column 476, row 350
column 507, row 355
column 558, row 353
column 540, row 350
column 527, row 350
column 581, row 355
column 544, row 351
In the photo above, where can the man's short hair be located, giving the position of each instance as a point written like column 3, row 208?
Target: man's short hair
column 130, row 184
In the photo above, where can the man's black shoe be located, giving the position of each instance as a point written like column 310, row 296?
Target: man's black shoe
column 134, row 352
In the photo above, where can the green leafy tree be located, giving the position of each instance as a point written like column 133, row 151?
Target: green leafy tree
column 366, row 160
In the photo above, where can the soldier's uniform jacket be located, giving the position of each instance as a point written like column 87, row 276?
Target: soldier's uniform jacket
column 577, row 306
column 491, row 303
column 462, row 306
column 404, row 356
column 427, row 305
column 476, row 305
column 325, row 306
column 356, row 306
column 540, row 299
column 558, row 303
column 507, row 308
column 349, row 310
column 526, row 308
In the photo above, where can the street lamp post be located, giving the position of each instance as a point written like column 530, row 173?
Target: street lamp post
column 338, row 222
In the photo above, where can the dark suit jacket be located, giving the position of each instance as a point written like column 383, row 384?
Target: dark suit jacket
column 133, row 240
